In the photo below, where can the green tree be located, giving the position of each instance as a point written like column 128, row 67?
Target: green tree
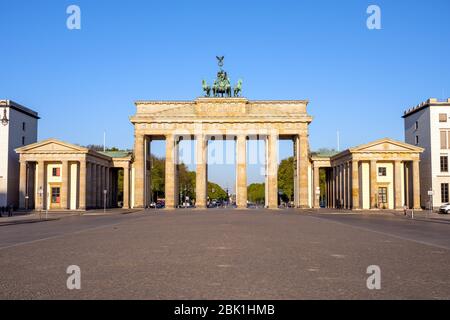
column 158, row 170
column 286, row 178
column 215, row 192
column 256, row 193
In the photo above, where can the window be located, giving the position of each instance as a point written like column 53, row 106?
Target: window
column 23, row 126
column 442, row 117
column 444, row 163
column 445, row 139
column 56, row 195
column 416, row 126
column 382, row 195
column 417, row 140
column 382, row 172
column 444, row 192
column 56, row 172
column 23, row 141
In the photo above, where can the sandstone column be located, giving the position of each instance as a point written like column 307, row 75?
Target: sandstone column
column 333, row 186
column 241, row 174
column 338, row 186
column 344, row 184
column 65, row 185
column 373, row 184
column 139, row 173
column 98, row 186
column 170, row 173
column 42, row 187
column 272, row 173
column 82, row 193
column 94, row 185
column 107, row 186
column 201, row 179
column 398, row 185
column 88, row 184
column 416, row 185
column 126, row 187
column 316, row 184
column 296, row 141
column 23, row 185
column 355, row 185
column 303, row 169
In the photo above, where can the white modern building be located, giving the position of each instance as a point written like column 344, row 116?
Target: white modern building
column 18, row 127
column 428, row 126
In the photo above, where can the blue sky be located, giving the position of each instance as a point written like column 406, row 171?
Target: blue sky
column 358, row 81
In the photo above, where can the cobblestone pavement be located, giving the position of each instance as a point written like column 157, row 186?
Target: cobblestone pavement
column 227, row 254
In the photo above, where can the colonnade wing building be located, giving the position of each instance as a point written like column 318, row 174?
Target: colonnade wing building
column 221, row 118
column 383, row 174
column 55, row 175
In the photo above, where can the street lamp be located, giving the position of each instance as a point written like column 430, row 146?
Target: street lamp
column 104, row 200
column 5, row 119
column 41, row 199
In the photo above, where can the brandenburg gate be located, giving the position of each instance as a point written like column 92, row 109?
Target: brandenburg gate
column 223, row 115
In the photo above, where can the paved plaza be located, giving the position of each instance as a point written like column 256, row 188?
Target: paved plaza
column 226, row 254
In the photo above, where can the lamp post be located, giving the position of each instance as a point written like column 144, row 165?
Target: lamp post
column 41, row 198
column 104, row 200
column 5, row 119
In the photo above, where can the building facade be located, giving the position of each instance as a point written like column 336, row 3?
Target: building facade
column 56, row 175
column 428, row 126
column 18, row 127
column 383, row 174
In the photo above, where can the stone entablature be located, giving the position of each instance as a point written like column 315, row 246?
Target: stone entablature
column 222, row 111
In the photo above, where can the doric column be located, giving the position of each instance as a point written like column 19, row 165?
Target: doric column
column 272, row 171
column 340, row 185
column 102, row 186
column 344, row 185
column 296, row 144
column 88, row 185
column 23, row 192
column 94, row 185
column 333, row 186
column 82, row 192
column 241, row 174
column 416, row 185
column 98, row 186
column 42, row 186
column 65, row 185
column 126, row 187
column 348, row 183
column 139, row 173
column 373, row 184
column 355, row 185
column 398, row 185
column 328, row 188
column 170, row 191
column 107, row 186
column 316, row 183
column 303, row 169
column 201, row 179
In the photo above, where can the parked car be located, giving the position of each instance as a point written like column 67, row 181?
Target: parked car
column 445, row 208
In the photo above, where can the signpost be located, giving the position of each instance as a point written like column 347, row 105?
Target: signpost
column 431, row 194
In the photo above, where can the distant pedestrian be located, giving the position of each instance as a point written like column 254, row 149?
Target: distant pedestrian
column 10, row 211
